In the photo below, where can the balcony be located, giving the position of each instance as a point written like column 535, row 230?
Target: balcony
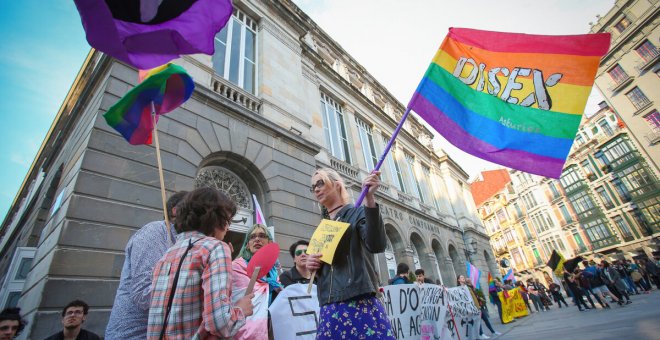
column 620, row 84
column 644, row 65
column 653, row 137
column 641, row 105
column 582, row 249
column 235, row 94
column 344, row 168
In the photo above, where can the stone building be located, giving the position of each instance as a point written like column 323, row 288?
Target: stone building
column 278, row 99
column 628, row 76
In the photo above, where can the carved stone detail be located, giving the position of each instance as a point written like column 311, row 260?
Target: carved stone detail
column 227, row 182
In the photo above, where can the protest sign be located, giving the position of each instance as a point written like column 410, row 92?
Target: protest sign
column 326, row 238
column 513, row 306
column 422, row 312
column 295, row 314
column 466, row 315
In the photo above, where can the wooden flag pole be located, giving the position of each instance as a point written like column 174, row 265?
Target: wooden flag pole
column 160, row 172
column 363, row 194
column 253, row 280
column 311, row 282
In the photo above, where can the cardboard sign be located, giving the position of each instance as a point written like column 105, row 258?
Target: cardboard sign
column 295, row 314
column 326, row 238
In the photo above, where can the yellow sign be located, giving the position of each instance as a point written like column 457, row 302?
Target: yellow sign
column 513, row 306
column 326, row 239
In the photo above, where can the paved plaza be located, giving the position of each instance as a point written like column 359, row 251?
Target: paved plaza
column 637, row 321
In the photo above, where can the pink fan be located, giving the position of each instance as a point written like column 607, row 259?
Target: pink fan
column 261, row 263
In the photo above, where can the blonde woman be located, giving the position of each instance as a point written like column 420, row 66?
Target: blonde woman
column 347, row 288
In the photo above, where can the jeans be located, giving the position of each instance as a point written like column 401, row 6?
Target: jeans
column 536, row 300
column 559, row 299
column 484, row 316
column 577, row 296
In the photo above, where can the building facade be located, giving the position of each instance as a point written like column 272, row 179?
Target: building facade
column 605, row 205
column 277, row 100
column 628, row 76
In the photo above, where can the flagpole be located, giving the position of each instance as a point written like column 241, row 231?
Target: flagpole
column 363, row 194
column 160, row 172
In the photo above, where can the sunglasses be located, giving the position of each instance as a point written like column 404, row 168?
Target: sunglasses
column 262, row 236
column 300, row 252
column 319, row 184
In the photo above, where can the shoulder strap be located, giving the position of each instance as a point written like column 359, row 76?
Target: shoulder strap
column 176, row 280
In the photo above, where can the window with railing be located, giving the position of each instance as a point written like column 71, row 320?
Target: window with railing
column 579, row 242
column 605, row 197
column 637, row 179
column 528, row 234
column 582, row 204
column 605, row 126
column 617, row 152
column 565, row 214
column 429, row 187
column 554, row 190
column 388, row 169
column 334, row 127
column 599, row 233
column 621, row 223
column 235, row 51
column 650, row 213
column 637, row 98
column 367, row 143
column 621, row 190
column 653, row 119
column 622, row 24
column 579, row 140
column 586, row 166
column 618, row 74
column 412, row 177
column 647, row 51
column 570, row 178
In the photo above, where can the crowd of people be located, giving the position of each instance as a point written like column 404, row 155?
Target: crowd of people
column 180, row 280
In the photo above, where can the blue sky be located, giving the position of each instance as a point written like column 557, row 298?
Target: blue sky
column 44, row 46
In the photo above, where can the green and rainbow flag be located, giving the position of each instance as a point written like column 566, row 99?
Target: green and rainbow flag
column 512, row 99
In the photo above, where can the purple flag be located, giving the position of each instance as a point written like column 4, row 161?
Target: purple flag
column 150, row 33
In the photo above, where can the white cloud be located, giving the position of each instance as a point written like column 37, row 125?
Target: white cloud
column 395, row 40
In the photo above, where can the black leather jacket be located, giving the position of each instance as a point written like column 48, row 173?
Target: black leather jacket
column 352, row 272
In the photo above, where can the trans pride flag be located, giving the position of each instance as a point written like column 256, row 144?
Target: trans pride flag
column 473, row 273
column 512, row 99
column 509, row 276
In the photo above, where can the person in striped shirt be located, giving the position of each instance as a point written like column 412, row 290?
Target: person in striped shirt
column 191, row 292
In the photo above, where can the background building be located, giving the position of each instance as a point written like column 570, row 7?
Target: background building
column 278, row 99
column 604, row 205
column 628, row 74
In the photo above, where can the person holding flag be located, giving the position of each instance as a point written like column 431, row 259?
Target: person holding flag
column 493, row 288
column 481, row 303
column 347, row 288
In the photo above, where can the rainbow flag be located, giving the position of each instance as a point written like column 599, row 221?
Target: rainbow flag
column 491, row 287
column 167, row 86
column 512, row 99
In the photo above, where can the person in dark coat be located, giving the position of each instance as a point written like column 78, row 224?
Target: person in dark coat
column 298, row 273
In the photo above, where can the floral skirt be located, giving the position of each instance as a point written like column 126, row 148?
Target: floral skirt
column 362, row 317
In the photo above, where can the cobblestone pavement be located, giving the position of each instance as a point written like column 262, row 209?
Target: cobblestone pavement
column 637, row 321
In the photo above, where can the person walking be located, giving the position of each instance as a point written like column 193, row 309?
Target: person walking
column 616, row 282
column 461, row 280
column 555, row 290
column 575, row 290
column 534, row 296
column 347, row 288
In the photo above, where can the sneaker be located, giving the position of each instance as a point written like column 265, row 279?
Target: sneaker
column 628, row 302
column 484, row 336
column 497, row 333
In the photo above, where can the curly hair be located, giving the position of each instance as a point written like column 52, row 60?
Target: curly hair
column 204, row 210
column 15, row 315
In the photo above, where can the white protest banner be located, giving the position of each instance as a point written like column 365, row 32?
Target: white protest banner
column 465, row 317
column 415, row 312
column 423, row 312
column 295, row 314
